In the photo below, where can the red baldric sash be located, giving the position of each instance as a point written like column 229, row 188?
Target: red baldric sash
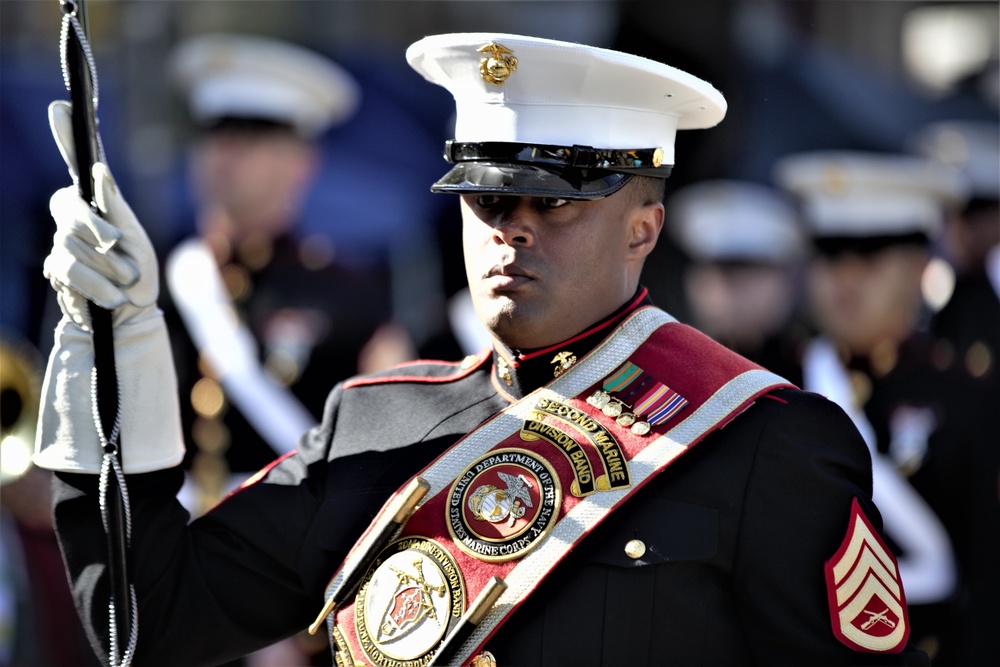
column 513, row 497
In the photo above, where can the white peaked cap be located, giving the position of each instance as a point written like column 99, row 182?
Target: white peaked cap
column 588, row 117
column 244, row 76
column 566, row 94
column 972, row 147
column 728, row 220
column 857, row 194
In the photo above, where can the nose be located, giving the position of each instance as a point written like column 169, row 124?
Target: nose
column 515, row 224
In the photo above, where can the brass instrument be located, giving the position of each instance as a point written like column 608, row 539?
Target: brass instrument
column 20, row 393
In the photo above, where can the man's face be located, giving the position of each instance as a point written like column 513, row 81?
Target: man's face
column 740, row 304
column 543, row 269
column 861, row 301
column 254, row 178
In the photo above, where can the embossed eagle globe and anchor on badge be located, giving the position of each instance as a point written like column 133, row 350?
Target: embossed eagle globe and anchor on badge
column 455, row 552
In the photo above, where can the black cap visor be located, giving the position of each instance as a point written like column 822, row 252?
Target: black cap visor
column 245, row 125
column 530, row 181
column 833, row 247
column 540, row 170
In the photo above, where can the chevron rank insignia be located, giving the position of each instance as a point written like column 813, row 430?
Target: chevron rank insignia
column 867, row 605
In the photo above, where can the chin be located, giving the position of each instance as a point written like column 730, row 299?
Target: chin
column 502, row 324
column 515, row 322
column 507, row 327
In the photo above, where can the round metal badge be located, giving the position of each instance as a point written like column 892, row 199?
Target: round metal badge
column 410, row 599
column 503, row 505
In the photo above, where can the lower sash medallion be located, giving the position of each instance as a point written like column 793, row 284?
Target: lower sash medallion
column 410, row 599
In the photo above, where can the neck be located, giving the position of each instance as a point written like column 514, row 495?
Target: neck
column 519, row 372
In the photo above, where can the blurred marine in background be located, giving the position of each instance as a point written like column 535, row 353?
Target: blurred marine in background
column 263, row 317
column 966, row 335
column 968, row 325
column 872, row 219
column 747, row 251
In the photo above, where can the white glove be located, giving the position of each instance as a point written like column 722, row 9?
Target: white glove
column 107, row 258
column 111, row 262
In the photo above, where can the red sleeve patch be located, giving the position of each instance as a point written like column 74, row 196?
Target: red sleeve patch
column 867, row 604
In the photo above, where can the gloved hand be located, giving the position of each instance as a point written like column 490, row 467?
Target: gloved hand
column 108, row 258
column 110, row 261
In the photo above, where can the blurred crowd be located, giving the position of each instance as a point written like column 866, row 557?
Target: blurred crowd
column 841, row 228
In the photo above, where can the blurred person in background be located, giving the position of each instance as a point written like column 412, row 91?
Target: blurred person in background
column 746, row 252
column 968, row 325
column 967, row 337
column 872, row 218
column 264, row 318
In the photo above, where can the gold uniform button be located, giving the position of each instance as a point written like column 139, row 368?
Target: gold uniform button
column 635, row 549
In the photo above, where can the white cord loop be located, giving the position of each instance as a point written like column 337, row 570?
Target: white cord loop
column 110, row 464
column 71, row 22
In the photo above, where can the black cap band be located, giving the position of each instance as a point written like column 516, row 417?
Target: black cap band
column 247, row 125
column 834, row 246
column 645, row 161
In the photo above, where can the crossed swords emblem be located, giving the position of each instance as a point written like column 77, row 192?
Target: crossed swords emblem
column 410, row 604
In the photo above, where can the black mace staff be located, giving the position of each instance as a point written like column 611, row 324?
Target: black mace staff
column 80, row 77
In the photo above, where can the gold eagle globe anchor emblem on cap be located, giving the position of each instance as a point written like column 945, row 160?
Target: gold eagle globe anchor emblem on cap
column 500, row 64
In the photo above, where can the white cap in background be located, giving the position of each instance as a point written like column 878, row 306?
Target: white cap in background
column 971, row 147
column 728, row 220
column 258, row 78
column 850, row 194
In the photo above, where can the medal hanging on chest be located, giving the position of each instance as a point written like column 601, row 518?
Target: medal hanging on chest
column 636, row 400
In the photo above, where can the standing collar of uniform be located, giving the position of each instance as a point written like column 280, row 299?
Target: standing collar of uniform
column 516, row 373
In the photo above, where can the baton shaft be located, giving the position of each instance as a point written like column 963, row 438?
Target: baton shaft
column 87, row 149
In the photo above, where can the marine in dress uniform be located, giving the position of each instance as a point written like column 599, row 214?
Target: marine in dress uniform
column 966, row 338
column 747, row 252
column 967, row 327
column 264, row 317
column 461, row 513
column 872, row 219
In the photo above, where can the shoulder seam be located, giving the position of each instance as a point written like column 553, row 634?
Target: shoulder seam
column 464, row 368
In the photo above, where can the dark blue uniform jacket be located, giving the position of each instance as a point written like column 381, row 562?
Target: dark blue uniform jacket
column 737, row 532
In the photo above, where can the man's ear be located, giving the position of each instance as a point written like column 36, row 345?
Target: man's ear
column 646, row 224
